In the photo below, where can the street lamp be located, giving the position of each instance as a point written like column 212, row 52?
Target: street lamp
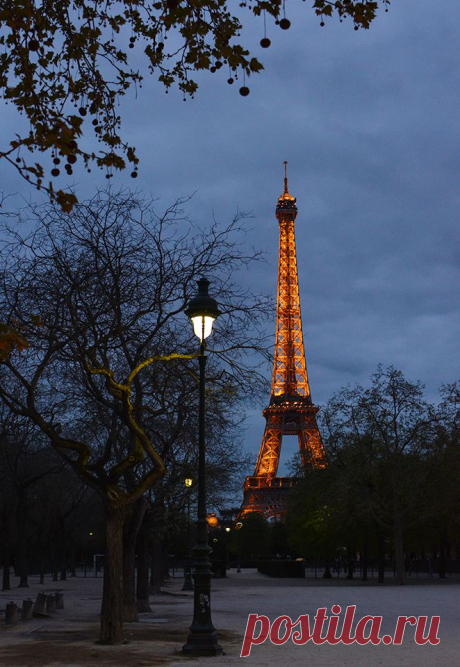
column 238, row 527
column 202, row 640
column 188, row 583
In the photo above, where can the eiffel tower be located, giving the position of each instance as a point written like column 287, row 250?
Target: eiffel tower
column 291, row 410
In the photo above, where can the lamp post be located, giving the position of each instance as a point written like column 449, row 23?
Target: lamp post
column 202, row 639
column 238, row 527
column 188, row 583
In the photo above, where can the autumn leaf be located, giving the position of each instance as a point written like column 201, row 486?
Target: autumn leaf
column 64, row 66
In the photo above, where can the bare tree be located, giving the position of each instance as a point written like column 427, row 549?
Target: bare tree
column 109, row 284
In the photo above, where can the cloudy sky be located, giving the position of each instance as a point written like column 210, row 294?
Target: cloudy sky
column 370, row 124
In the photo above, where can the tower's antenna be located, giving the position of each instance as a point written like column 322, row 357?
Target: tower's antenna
column 285, row 178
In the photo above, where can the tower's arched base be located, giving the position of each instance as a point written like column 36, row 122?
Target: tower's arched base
column 268, row 496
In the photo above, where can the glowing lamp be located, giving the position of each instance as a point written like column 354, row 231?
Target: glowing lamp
column 202, row 326
column 202, row 640
column 202, row 310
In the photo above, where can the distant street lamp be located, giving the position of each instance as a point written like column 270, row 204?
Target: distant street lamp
column 238, row 527
column 202, row 639
column 188, row 583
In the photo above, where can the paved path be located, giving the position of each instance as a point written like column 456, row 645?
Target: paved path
column 242, row 594
column 68, row 638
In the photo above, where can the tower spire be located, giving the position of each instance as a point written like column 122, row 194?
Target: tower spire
column 286, row 191
column 286, row 201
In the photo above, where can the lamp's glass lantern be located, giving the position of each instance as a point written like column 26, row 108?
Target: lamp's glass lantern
column 188, row 481
column 202, row 310
column 202, row 326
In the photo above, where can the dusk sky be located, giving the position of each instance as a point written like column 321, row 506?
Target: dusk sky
column 369, row 122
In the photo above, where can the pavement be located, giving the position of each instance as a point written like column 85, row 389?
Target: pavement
column 68, row 637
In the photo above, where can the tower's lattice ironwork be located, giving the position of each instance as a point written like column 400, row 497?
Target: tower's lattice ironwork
column 291, row 410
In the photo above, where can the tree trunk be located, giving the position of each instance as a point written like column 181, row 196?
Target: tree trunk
column 442, row 555
column 350, row 563
column 156, row 578
column 112, row 595
column 7, row 529
column 131, row 529
column 142, row 588
column 166, row 574
column 6, row 586
column 21, row 551
column 399, row 551
column 55, row 564
column 73, row 560
column 41, row 541
column 63, row 559
column 129, row 583
column 381, row 558
column 62, row 549
column 43, row 558
column 364, row 562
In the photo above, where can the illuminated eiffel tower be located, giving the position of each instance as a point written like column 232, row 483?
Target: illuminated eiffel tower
column 291, row 411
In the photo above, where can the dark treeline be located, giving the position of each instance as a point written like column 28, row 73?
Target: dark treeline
column 99, row 412
column 52, row 525
column 388, row 497
column 49, row 520
column 391, row 490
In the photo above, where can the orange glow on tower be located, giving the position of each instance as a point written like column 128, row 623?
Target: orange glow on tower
column 291, row 411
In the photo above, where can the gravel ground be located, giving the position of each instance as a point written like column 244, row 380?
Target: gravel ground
column 68, row 637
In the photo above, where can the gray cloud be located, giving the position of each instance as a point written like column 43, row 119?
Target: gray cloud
column 369, row 123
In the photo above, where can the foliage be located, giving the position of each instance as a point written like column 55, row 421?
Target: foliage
column 10, row 340
column 252, row 539
column 65, row 65
column 314, row 518
column 441, row 493
column 388, row 456
column 36, row 496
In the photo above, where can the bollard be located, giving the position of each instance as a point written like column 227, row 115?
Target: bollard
column 59, row 600
column 40, row 603
column 51, row 604
column 27, row 610
column 11, row 615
